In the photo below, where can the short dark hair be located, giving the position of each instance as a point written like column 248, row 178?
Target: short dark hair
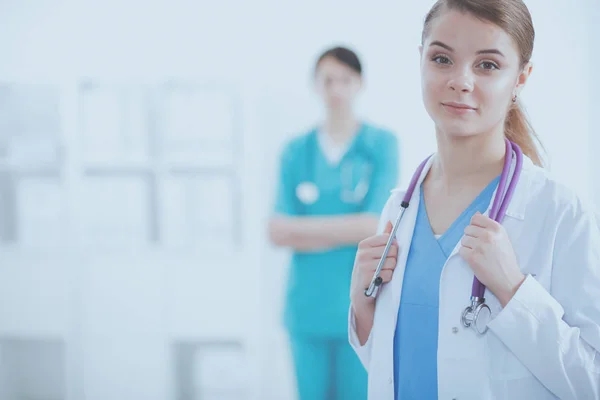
column 343, row 55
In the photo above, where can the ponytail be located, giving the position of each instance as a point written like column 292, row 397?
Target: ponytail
column 518, row 129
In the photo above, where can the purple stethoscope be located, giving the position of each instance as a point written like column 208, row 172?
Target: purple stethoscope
column 477, row 314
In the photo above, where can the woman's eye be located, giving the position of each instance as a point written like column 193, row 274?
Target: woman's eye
column 488, row 65
column 441, row 60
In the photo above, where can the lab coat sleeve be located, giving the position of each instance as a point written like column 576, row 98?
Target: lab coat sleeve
column 364, row 351
column 285, row 202
column 385, row 173
column 556, row 333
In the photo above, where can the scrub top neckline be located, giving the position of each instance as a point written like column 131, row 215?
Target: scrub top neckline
column 333, row 152
column 480, row 197
column 350, row 146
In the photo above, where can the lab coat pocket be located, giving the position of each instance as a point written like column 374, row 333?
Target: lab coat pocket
column 509, row 379
column 503, row 363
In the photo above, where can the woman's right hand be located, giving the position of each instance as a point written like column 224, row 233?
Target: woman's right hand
column 367, row 258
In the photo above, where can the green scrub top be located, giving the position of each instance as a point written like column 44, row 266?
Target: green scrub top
column 318, row 295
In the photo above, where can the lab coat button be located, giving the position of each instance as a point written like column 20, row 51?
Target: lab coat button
column 390, row 381
column 454, row 330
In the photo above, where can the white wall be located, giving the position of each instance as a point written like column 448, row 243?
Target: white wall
column 120, row 312
column 593, row 14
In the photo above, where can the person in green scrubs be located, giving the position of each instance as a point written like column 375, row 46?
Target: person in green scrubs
column 334, row 181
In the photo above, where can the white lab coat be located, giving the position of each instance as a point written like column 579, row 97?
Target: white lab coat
column 544, row 344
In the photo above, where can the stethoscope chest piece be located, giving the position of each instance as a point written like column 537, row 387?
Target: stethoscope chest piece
column 477, row 315
column 307, row 192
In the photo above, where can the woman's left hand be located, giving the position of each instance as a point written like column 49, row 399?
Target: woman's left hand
column 487, row 249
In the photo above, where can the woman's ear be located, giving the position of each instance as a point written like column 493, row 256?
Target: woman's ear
column 523, row 77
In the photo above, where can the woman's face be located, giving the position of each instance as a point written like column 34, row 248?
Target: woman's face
column 337, row 84
column 470, row 71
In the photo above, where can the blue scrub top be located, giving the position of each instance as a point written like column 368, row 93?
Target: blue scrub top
column 416, row 337
column 318, row 295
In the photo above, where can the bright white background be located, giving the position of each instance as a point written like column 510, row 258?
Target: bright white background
column 120, row 313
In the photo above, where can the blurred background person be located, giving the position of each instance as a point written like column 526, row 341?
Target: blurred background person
column 334, row 180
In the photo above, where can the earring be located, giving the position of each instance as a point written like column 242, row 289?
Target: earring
column 514, row 99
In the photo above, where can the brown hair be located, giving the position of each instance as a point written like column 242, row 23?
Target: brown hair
column 514, row 18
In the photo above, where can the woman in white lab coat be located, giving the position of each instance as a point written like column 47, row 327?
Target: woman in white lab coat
column 540, row 266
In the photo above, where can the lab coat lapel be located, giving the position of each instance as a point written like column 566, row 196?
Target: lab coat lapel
column 516, row 207
column 515, row 212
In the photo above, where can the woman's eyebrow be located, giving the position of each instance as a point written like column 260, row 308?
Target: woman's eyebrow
column 450, row 49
